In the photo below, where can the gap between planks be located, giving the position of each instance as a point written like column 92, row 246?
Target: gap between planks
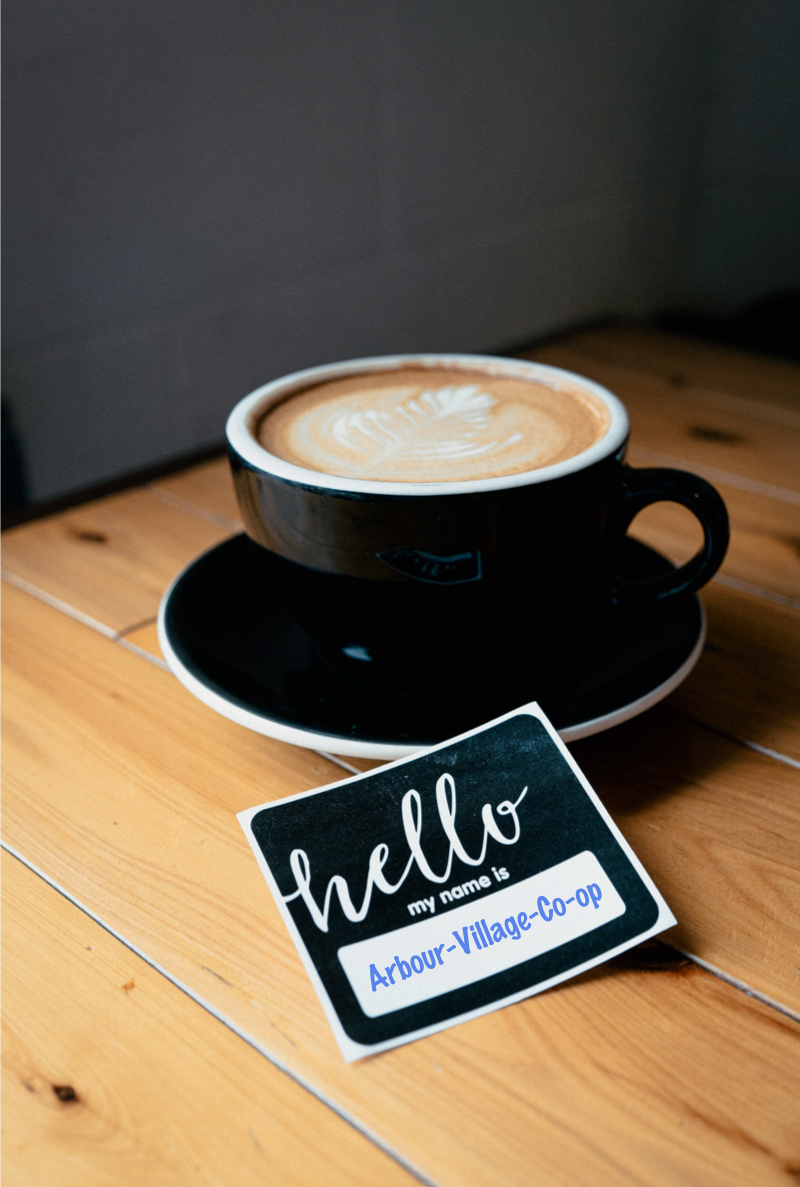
column 365, row 1131
column 756, row 591
column 183, row 504
column 276, row 1062
column 711, row 473
column 736, row 983
column 85, row 619
column 776, row 754
column 724, row 477
column 350, row 768
column 119, row 638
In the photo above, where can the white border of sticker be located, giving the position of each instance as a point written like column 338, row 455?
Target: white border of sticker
column 352, row 1050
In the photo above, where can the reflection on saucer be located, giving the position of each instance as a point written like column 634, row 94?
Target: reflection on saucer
column 232, row 639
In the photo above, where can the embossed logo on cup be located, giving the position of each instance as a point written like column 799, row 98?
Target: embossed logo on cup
column 438, row 570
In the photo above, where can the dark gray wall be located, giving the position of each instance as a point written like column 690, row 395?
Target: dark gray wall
column 201, row 196
column 746, row 238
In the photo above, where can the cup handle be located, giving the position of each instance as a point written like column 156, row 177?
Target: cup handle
column 641, row 488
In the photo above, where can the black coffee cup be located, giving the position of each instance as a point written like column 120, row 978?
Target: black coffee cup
column 422, row 589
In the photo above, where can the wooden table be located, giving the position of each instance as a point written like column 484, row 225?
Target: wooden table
column 159, row 1027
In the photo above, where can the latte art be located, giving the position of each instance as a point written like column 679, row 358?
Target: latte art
column 449, row 423
column 432, row 425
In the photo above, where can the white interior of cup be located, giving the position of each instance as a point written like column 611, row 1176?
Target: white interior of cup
column 243, row 421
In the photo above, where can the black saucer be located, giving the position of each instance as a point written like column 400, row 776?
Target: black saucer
column 230, row 637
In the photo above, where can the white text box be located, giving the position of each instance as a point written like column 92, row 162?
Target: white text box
column 479, row 938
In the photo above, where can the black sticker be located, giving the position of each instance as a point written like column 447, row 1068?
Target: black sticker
column 442, row 886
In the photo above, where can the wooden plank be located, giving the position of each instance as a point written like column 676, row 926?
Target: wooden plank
column 717, row 826
column 764, row 551
column 124, row 790
column 765, row 543
column 172, row 731
column 146, row 638
column 111, row 559
column 84, row 1015
column 684, row 361
column 746, row 683
column 699, row 425
column 208, row 486
column 745, row 687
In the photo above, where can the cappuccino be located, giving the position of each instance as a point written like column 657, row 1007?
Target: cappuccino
column 433, row 424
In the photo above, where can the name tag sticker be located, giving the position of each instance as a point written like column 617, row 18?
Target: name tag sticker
column 439, row 887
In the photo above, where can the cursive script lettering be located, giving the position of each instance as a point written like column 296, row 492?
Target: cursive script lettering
column 411, row 816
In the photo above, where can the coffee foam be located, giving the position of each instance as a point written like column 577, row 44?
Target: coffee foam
column 420, row 424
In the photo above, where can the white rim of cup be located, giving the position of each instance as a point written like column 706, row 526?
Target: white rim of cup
column 244, row 416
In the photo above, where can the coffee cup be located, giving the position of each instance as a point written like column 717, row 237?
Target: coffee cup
column 439, row 520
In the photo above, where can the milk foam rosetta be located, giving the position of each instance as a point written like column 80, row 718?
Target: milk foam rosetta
column 433, row 425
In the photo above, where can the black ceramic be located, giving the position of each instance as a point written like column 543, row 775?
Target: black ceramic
column 557, row 530
column 231, row 632
column 560, row 537
column 510, row 574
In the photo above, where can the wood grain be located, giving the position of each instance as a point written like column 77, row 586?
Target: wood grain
column 747, row 682
column 112, row 1075
column 765, row 543
column 764, row 550
column 124, row 790
column 685, row 361
column 146, row 639
column 702, row 426
column 208, row 485
column 145, row 711
column 716, row 825
column 111, row 559
column 765, row 540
